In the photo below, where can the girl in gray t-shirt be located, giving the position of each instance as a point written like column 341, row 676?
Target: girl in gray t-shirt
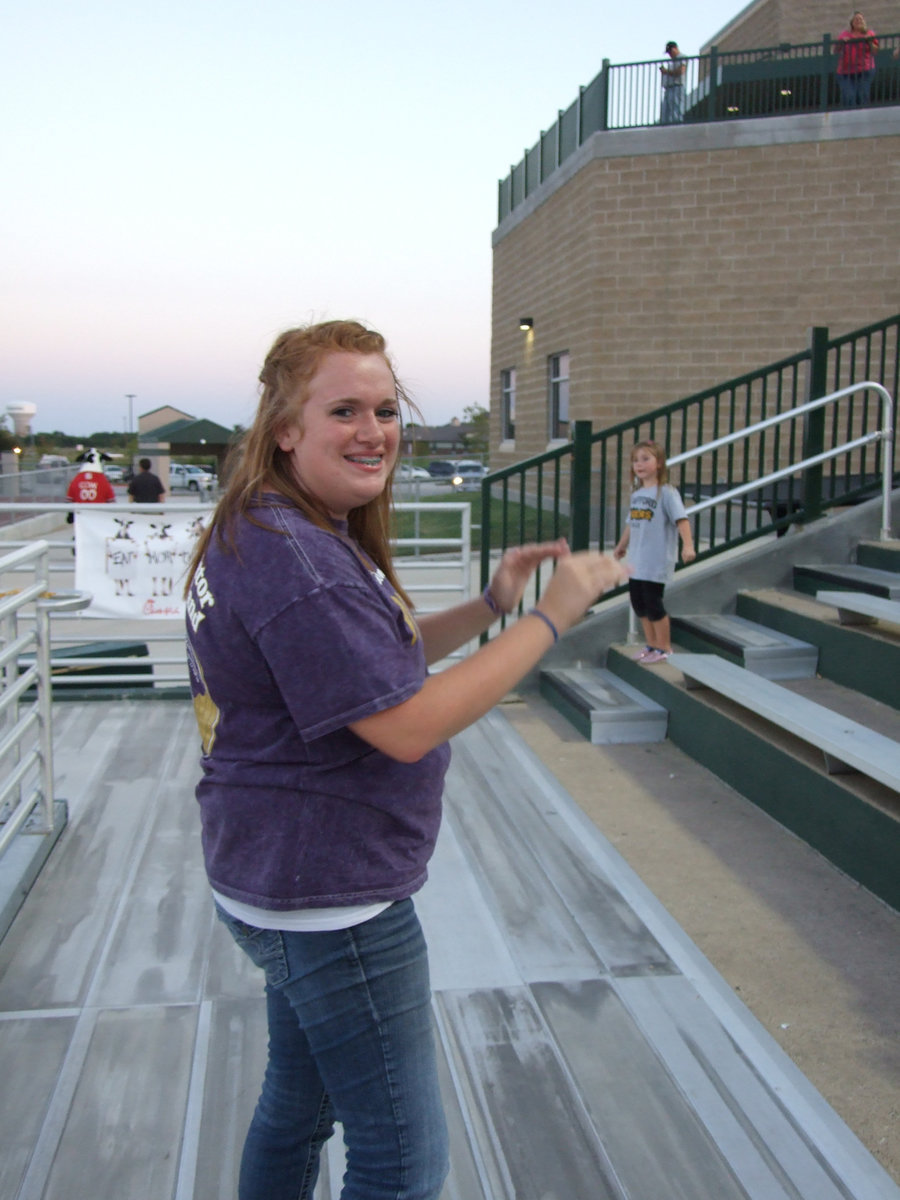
column 656, row 518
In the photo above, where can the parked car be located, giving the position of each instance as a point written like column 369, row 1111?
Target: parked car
column 114, row 473
column 186, row 475
column 441, row 468
column 406, row 473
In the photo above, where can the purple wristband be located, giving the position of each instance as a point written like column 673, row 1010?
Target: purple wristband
column 536, row 612
column 488, row 597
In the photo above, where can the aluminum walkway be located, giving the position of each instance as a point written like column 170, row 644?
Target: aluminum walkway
column 588, row 1049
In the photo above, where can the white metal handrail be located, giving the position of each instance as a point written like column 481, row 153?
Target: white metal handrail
column 886, row 435
column 26, row 744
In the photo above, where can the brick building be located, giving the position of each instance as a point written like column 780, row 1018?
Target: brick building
column 654, row 262
column 773, row 22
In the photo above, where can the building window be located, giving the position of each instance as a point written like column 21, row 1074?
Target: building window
column 508, row 404
column 558, row 395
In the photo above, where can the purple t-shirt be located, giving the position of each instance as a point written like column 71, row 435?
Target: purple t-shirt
column 290, row 639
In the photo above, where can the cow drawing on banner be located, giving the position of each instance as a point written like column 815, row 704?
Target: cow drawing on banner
column 194, row 529
column 161, row 553
column 134, row 565
column 122, row 557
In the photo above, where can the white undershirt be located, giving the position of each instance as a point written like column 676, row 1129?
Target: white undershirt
column 302, row 920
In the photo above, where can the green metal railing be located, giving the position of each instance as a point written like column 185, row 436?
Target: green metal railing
column 581, row 490
column 719, row 86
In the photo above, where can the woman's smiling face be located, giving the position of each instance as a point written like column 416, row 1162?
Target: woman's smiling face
column 344, row 443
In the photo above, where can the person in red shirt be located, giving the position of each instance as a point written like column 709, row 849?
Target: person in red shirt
column 856, row 65
column 91, row 487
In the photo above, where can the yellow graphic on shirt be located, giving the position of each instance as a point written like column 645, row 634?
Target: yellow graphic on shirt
column 642, row 514
column 205, row 709
column 407, row 616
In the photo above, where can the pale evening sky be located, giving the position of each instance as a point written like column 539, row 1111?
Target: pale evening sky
column 183, row 181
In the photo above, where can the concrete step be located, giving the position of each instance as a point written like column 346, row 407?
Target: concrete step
column 859, row 608
column 863, row 657
column 846, row 745
column 602, row 707
column 762, row 650
column 883, row 555
column 853, row 819
column 847, row 577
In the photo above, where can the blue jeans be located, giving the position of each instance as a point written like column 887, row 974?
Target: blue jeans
column 855, row 89
column 672, row 108
column 350, row 1039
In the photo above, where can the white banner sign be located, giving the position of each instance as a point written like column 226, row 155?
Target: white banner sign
column 134, row 564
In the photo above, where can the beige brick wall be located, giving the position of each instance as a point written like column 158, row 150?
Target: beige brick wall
column 770, row 22
column 663, row 274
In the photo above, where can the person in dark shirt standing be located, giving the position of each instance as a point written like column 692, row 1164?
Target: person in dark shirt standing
column 146, row 488
column 672, row 108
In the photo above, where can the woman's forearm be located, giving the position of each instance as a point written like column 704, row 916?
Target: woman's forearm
column 451, row 700
column 444, row 632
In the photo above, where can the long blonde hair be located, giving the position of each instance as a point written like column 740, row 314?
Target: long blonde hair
column 258, row 461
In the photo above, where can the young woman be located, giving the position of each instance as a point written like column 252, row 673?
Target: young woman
column 324, row 752
column 656, row 519
column 856, row 64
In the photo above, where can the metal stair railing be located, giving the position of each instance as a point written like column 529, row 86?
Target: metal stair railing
column 26, row 722
column 778, row 446
column 885, row 435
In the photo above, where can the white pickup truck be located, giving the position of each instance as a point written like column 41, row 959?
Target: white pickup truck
column 186, row 475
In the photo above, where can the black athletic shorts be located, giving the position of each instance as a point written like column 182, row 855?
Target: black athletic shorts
column 647, row 598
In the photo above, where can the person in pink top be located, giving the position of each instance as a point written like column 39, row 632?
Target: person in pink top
column 856, row 64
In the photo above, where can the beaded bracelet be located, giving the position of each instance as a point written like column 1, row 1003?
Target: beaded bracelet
column 536, row 612
column 488, row 597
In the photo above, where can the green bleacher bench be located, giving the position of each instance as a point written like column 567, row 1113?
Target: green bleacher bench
column 845, row 744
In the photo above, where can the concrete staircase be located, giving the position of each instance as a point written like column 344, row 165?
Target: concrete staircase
column 602, row 707
column 872, row 573
column 802, row 713
column 755, row 646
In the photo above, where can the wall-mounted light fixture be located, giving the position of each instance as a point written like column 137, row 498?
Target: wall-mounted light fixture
column 526, row 323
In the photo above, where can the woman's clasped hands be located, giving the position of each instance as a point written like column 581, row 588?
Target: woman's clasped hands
column 579, row 579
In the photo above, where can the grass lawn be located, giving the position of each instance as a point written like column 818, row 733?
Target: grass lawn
column 522, row 523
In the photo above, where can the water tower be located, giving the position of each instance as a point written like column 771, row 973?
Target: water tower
column 22, row 414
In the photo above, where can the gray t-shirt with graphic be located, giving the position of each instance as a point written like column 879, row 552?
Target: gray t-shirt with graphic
column 653, row 536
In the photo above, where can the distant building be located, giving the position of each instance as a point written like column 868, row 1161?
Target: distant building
column 777, row 22
column 168, row 431
column 438, row 441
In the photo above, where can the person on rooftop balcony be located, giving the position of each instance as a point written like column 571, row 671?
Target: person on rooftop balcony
column 672, row 108
column 324, row 743
column 856, row 64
